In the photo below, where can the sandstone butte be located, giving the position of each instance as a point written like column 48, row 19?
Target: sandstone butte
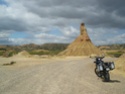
column 81, row 46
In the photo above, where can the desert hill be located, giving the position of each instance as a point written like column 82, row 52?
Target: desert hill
column 81, row 46
column 23, row 53
column 120, row 63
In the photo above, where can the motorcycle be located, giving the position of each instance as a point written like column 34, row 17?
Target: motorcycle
column 102, row 68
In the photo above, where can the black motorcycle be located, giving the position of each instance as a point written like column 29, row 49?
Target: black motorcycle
column 102, row 68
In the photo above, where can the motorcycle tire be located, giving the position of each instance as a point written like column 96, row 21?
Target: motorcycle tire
column 107, row 76
column 98, row 73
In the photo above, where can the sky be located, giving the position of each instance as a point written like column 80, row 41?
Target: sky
column 58, row 21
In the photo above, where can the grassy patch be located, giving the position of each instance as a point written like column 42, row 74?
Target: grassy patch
column 1, row 53
column 55, row 52
column 115, row 54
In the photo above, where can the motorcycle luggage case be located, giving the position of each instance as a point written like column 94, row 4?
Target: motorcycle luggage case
column 112, row 65
column 99, row 67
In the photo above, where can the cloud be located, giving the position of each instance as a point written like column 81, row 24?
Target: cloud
column 40, row 39
column 4, row 37
column 113, row 13
column 119, row 39
column 104, row 19
column 70, row 32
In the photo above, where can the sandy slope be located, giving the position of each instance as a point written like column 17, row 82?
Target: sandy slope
column 55, row 76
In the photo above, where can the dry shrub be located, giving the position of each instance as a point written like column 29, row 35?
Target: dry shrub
column 11, row 63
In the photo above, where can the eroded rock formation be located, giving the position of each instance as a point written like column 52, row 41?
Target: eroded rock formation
column 82, row 45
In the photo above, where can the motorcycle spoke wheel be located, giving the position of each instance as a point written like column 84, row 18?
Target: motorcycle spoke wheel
column 98, row 73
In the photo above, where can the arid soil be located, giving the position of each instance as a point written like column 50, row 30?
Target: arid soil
column 56, row 76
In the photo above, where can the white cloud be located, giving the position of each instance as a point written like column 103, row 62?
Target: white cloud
column 43, row 37
column 70, row 31
column 4, row 34
column 117, row 39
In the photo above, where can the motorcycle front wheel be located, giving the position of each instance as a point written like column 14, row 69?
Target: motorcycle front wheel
column 98, row 73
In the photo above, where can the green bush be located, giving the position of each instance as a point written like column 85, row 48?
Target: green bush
column 38, row 53
column 11, row 53
column 1, row 53
column 11, row 63
column 115, row 54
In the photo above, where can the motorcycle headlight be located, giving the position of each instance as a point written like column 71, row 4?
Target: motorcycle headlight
column 99, row 59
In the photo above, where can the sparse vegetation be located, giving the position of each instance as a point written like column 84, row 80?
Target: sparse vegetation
column 115, row 54
column 55, row 52
column 33, row 49
column 112, row 47
column 54, row 49
column 1, row 53
column 11, row 63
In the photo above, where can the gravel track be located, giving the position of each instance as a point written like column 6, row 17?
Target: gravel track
column 69, row 76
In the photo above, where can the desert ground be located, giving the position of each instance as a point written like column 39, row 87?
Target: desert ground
column 56, row 75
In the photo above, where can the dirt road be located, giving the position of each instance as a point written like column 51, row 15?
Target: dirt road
column 61, row 76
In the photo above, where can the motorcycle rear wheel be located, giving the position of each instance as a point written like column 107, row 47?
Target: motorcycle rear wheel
column 107, row 76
